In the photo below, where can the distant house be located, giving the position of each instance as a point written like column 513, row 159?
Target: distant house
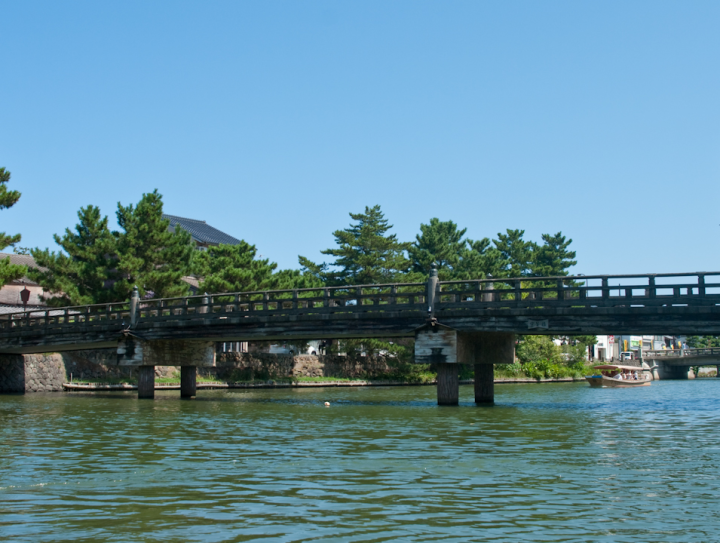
column 10, row 298
column 202, row 233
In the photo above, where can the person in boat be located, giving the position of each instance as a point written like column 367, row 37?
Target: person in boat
column 619, row 376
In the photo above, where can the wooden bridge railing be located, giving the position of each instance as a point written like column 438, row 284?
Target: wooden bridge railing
column 389, row 300
column 581, row 291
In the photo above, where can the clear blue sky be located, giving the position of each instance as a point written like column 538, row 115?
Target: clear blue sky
column 273, row 120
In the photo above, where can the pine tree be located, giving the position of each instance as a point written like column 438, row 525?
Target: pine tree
column 85, row 272
column 234, row 268
column 553, row 258
column 365, row 254
column 8, row 198
column 479, row 260
column 440, row 242
column 516, row 254
column 149, row 255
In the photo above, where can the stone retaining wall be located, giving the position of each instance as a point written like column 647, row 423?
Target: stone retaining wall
column 250, row 366
column 47, row 372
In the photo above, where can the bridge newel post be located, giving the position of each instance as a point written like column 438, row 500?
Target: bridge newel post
column 652, row 289
column 188, row 381
column 146, row 382
column 432, row 285
column 490, row 286
column 134, row 304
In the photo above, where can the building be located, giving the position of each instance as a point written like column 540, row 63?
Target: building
column 202, row 233
column 11, row 294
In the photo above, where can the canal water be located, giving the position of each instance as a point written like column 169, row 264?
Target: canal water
column 551, row 462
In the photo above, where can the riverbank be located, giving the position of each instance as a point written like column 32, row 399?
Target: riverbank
column 299, row 384
column 99, row 370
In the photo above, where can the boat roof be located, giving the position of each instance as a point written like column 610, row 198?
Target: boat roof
column 617, row 367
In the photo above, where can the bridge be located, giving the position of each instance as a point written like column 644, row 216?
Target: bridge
column 674, row 363
column 453, row 322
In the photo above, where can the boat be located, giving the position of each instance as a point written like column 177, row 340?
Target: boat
column 608, row 377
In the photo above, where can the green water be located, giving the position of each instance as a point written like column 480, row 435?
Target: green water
column 552, row 462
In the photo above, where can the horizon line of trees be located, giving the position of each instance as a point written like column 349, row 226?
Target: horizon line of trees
column 97, row 265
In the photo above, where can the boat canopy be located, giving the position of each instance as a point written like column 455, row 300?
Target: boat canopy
column 618, row 367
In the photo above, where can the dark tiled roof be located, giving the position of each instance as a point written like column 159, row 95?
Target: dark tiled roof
column 201, row 231
column 23, row 260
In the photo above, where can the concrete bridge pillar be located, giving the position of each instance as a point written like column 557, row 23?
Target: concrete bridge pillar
column 188, row 354
column 446, row 348
column 146, row 382
column 448, row 384
column 488, row 349
column 188, row 381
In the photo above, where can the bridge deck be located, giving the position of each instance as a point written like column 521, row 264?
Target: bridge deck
column 659, row 303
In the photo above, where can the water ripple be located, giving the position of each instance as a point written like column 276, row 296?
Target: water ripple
column 547, row 463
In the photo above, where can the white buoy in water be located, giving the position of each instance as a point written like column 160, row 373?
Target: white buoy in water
column 327, row 404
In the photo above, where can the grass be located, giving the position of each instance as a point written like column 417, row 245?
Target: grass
column 405, row 373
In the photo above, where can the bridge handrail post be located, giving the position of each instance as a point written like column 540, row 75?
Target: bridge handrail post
column 489, row 286
column 652, row 289
column 432, row 289
column 605, row 289
column 701, row 285
column 134, row 303
column 518, row 291
column 560, row 290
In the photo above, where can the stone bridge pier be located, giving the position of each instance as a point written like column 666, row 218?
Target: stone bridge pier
column 447, row 348
column 188, row 354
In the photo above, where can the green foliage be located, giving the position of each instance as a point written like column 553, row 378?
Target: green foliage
column 479, row 260
column 440, row 243
column 149, row 255
column 233, row 268
column 365, row 253
column 552, row 258
column 99, row 266
column 508, row 256
column 83, row 274
column 541, row 358
column 703, row 342
column 8, row 198
column 533, row 349
column 516, row 254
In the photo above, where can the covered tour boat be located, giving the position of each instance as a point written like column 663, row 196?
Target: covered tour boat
column 616, row 376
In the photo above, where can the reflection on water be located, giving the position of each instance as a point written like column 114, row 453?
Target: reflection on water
column 559, row 462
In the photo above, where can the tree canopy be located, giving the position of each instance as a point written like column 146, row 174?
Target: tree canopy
column 149, row 254
column 235, row 268
column 84, row 273
column 8, row 198
column 441, row 243
column 99, row 266
column 365, row 253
